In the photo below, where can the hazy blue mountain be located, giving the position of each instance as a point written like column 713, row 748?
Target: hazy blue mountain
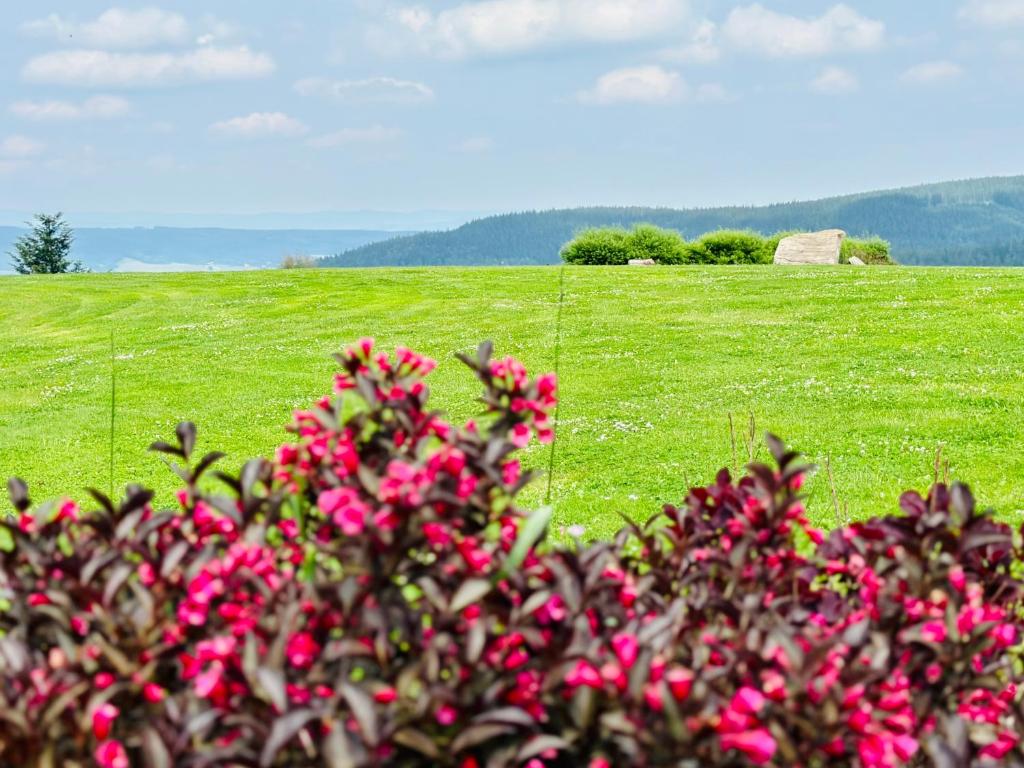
column 390, row 221
column 978, row 221
column 180, row 249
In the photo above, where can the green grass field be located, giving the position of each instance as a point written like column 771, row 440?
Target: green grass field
column 873, row 367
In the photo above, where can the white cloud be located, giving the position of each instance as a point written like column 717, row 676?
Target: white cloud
column 97, row 69
column 636, row 85
column 932, row 72
column 115, row 28
column 260, row 124
column 476, row 145
column 994, row 12
column 95, row 108
column 759, row 30
column 511, row 26
column 372, row 89
column 835, row 80
column 19, row 147
column 701, row 48
column 375, row 134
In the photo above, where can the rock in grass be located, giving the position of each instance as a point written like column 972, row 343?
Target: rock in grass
column 811, row 248
column 642, row 262
column 854, row 261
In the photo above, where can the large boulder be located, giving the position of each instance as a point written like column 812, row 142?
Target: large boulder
column 811, row 248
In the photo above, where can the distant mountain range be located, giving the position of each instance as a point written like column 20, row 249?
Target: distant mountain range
column 162, row 249
column 972, row 222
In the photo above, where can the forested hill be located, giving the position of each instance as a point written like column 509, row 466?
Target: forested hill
column 974, row 222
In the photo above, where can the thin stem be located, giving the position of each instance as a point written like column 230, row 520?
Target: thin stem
column 113, row 404
column 558, row 357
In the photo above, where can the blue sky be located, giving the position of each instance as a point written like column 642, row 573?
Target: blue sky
column 486, row 105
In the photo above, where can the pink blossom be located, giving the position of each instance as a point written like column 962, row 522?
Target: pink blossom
column 437, row 534
column 342, row 505
column 103, row 720
column 67, row 511
column 302, row 650
column 385, row 695
column 80, row 625
column 207, row 682
column 511, row 472
column 905, row 747
column 103, row 680
column 758, row 744
column 748, row 701
column 957, row 579
column 446, row 715
column 111, row 754
column 626, row 648
column 933, row 632
column 583, row 674
column 1005, row 635
column 520, row 435
column 680, row 681
column 153, row 693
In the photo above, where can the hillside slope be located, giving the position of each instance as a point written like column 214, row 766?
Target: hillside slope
column 873, row 368
column 974, row 222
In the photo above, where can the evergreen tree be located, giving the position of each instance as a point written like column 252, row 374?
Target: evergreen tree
column 47, row 248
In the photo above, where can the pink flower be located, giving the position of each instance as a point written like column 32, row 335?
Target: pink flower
column 446, row 715
column 302, row 650
column 153, row 693
column 747, row 701
column 385, row 695
column 68, row 511
column 103, row 720
column 437, row 534
column 111, row 754
column 477, row 558
column 342, row 505
column 933, row 632
column 758, row 744
column 905, row 747
column 80, row 625
column 626, row 648
column 552, row 611
column 1005, row 635
column 680, row 681
column 520, row 435
column 351, row 520
column 103, row 680
column 511, row 472
column 957, row 579
column 583, row 674
column 207, row 682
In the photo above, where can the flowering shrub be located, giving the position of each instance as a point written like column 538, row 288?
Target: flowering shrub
column 374, row 596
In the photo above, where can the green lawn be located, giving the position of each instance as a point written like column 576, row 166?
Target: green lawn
column 875, row 367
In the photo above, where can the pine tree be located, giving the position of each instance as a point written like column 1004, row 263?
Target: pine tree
column 47, row 248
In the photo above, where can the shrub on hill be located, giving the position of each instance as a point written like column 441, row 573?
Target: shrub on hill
column 871, row 250
column 598, row 247
column 730, row 247
column 292, row 261
column 374, row 596
column 616, row 246
column 664, row 246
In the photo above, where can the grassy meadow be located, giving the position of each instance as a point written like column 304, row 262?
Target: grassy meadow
column 874, row 368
